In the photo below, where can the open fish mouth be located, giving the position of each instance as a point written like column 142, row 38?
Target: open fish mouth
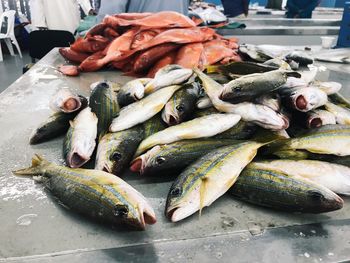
column 76, row 160
column 137, row 165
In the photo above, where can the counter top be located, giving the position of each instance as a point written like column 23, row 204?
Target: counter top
column 35, row 228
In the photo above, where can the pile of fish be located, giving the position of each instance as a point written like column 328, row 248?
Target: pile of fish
column 268, row 135
column 142, row 43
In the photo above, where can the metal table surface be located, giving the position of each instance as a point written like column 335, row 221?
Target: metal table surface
column 35, row 228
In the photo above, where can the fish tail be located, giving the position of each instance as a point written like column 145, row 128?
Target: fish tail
column 37, row 166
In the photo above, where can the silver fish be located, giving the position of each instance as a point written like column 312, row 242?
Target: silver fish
column 341, row 114
column 141, row 111
column 132, row 91
column 168, row 75
column 80, row 140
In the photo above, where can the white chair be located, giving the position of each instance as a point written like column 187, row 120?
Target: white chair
column 9, row 36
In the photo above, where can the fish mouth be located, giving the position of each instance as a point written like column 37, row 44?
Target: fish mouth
column 71, row 105
column 137, row 165
column 172, row 120
column 171, row 214
column 301, row 103
column 147, row 217
column 76, row 160
column 315, row 123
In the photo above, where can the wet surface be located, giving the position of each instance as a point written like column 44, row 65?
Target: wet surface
column 35, row 228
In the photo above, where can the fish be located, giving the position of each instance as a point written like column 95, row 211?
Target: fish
column 66, row 101
column 168, row 75
column 149, row 57
column 335, row 177
column 115, row 150
column 72, row 55
column 250, row 112
column 339, row 99
column 241, row 131
column 92, row 193
column 181, row 105
column 254, row 53
column 253, row 85
column 175, row 156
column 342, row 114
column 327, row 139
column 193, row 129
column 274, row 189
column 271, row 100
column 103, row 102
column 153, row 125
column 208, row 178
column 301, row 58
column 142, row 110
column 304, row 99
column 317, row 118
column 69, row 70
column 277, row 63
column 132, row 91
column 204, row 103
column 240, row 68
column 57, row 124
column 80, row 140
column 329, row 87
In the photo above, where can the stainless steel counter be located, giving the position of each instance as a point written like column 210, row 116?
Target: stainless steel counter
column 35, row 228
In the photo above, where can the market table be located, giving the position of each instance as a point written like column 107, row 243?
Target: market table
column 35, row 228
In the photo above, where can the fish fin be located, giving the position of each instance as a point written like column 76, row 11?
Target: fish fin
column 37, row 163
column 202, row 192
column 212, row 69
column 293, row 74
column 71, row 123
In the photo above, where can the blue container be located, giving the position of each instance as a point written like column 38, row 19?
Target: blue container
column 344, row 33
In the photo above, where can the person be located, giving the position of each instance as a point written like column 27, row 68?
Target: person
column 109, row 7
column 58, row 14
column 274, row 4
column 234, row 8
column 301, row 8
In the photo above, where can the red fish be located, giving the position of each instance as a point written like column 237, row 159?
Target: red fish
column 189, row 55
column 147, row 58
column 69, row 70
column 165, row 19
column 166, row 60
column 90, row 44
column 72, row 55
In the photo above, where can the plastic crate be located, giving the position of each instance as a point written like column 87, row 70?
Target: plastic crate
column 344, row 33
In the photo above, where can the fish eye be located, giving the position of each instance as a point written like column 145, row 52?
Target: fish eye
column 180, row 108
column 116, row 156
column 103, row 84
column 160, row 160
column 316, row 196
column 175, row 192
column 120, row 211
column 238, row 89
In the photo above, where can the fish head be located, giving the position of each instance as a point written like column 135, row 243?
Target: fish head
column 324, row 200
column 182, row 203
column 149, row 162
column 131, row 92
column 134, row 211
column 174, row 112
